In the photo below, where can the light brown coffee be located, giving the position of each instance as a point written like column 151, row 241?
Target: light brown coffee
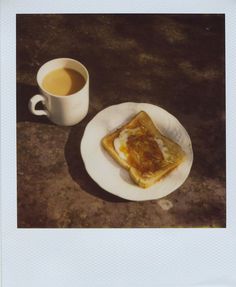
column 63, row 82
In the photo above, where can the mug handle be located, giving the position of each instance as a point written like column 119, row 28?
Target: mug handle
column 33, row 102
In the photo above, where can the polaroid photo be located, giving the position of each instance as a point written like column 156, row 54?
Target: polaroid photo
column 117, row 143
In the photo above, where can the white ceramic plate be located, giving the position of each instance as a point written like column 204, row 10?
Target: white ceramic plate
column 110, row 175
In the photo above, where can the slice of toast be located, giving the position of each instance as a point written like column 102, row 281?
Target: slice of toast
column 139, row 147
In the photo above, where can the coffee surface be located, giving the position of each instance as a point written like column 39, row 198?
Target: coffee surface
column 63, row 82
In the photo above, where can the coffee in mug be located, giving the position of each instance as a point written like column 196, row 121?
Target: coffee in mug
column 64, row 91
column 63, row 82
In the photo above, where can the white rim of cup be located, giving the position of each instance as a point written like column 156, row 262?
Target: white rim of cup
column 58, row 96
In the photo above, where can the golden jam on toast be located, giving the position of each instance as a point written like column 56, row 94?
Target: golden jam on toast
column 139, row 147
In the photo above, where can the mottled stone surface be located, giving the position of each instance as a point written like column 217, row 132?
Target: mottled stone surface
column 174, row 61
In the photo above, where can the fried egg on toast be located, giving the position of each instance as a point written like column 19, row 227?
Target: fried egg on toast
column 139, row 147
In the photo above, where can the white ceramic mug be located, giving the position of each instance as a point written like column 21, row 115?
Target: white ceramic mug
column 62, row 110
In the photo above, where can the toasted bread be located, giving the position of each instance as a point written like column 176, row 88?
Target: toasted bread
column 139, row 147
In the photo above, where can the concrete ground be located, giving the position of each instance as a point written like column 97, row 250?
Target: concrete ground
column 173, row 61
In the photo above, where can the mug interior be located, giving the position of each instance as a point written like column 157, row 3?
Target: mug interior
column 61, row 63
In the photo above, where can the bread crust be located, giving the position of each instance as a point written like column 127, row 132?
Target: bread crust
column 145, row 180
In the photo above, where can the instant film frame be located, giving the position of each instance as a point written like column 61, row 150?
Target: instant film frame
column 93, row 257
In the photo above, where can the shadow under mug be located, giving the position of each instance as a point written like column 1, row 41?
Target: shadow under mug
column 62, row 110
